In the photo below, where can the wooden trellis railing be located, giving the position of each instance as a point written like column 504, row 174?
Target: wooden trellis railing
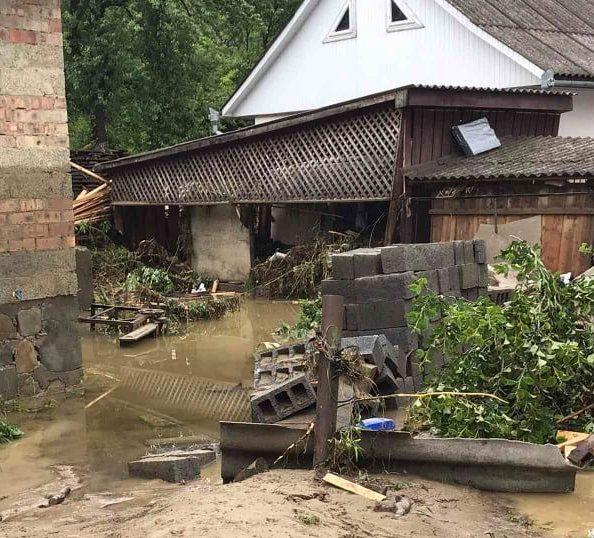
column 344, row 157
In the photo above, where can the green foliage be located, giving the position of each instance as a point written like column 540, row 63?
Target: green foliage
column 9, row 432
column 308, row 320
column 536, row 353
column 149, row 277
column 345, row 450
column 206, row 309
column 141, row 74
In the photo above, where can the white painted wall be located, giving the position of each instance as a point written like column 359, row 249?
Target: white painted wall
column 309, row 73
column 580, row 121
column 221, row 245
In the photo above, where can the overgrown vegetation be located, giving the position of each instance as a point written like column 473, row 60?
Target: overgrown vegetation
column 308, row 321
column 9, row 432
column 297, row 273
column 535, row 352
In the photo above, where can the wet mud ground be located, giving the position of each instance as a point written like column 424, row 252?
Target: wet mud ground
column 87, row 449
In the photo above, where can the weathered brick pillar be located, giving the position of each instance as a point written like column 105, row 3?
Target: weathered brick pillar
column 39, row 346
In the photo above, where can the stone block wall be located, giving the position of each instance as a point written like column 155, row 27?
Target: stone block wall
column 38, row 286
column 375, row 285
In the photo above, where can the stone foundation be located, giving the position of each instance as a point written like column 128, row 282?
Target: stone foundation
column 39, row 347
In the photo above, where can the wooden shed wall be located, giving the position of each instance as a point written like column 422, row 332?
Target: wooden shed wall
column 567, row 222
column 428, row 131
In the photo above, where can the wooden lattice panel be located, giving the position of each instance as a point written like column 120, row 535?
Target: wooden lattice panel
column 342, row 158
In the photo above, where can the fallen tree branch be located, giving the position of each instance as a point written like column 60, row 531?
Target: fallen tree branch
column 576, row 414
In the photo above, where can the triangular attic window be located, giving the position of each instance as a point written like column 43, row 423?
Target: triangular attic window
column 397, row 14
column 400, row 17
column 345, row 22
column 345, row 25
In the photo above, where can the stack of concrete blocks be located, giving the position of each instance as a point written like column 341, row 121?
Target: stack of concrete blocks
column 375, row 284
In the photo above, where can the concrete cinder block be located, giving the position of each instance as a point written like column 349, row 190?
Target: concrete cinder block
column 468, row 252
column 344, row 288
column 371, row 348
column 350, row 317
column 9, row 387
column 469, row 276
column 172, row 467
column 419, row 257
column 380, row 315
column 480, row 251
column 454, row 278
column 282, row 401
column 384, row 287
column 443, row 277
column 343, row 267
column 470, row 294
column 29, row 321
column 397, row 336
column 432, row 279
column 483, row 275
column 458, row 247
column 367, row 262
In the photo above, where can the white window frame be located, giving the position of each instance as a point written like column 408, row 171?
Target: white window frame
column 411, row 22
column 351, row 33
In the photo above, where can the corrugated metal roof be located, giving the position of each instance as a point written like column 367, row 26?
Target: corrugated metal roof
column 553, row 34
column 517, row 158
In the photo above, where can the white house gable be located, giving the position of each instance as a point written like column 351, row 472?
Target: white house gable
column 345, row 49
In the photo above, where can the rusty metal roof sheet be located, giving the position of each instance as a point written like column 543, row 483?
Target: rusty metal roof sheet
column 517, row 158
column 553, row 34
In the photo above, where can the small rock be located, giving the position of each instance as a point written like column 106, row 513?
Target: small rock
column 54, row 500
column 25, row 357
column 29, row 321
column 399, row 505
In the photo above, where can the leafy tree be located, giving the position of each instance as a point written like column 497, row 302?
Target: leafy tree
column 141, row 74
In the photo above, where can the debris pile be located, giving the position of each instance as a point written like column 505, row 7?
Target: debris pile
column 297, row 273
column 151, row 277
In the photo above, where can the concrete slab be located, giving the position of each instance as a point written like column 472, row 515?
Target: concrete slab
column 176, row 467
column 488, row 464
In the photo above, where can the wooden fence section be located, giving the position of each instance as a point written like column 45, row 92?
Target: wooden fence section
column 567, row 222
column 348, row 157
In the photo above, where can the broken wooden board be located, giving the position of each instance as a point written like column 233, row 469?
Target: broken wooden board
column 138, row 334
column 571, row 438
column 351, row 487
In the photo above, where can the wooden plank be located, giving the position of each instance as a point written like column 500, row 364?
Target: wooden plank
column 571, row 211
column 139, row 334
column 351, row 487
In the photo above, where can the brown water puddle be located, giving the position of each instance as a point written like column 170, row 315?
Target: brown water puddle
column 99, row 441
column 563, row 515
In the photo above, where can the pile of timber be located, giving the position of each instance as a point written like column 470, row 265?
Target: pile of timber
column 92, row 206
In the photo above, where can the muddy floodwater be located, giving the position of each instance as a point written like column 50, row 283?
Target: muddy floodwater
column 163, row 388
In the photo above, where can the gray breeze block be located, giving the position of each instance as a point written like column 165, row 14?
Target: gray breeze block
column 343, row 266
column 172, row 467
column 397, row 336
column 380, row 315
column 418, row 257
column 469, row 276
column 350, row 317
column 432, row 279
column 480, row 251
column 367, row 262
column 282, row 401
column 468, row 251
column 371, row 348
column 344, row 288
column 483, row 275
column 458, row 252
column 384, row 287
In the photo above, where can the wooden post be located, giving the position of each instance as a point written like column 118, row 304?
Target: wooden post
column 325, row 428
column 396, row 202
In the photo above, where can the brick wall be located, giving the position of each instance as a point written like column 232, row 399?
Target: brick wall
column 37, row 259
